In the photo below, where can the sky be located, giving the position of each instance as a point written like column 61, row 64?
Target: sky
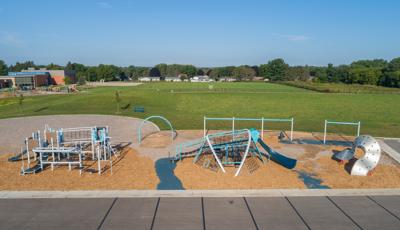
column 205, row 33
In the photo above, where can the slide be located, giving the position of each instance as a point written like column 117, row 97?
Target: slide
column 279, row 158
column 16, row 157
column 34, row 169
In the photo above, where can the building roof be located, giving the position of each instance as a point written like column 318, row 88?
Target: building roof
column 16, row 74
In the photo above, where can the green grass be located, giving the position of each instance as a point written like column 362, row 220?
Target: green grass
column 342, row 88
column 185, row 104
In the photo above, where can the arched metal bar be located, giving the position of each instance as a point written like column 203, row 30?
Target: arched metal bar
column 155, row 117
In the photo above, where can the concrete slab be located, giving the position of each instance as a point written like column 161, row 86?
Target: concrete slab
column 394, row 144
column 274, row 213
column 391, row 203
column 179, row 213
column 131, row 212
column 227, row 213
column 53, row 213
column 198, row 193
column 366, row 213
column 388, row 149
column 320, row 213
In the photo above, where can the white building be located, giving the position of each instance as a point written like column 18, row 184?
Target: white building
column 204, row 78
column 148, row 79
column 173, row 79
column 227, row 79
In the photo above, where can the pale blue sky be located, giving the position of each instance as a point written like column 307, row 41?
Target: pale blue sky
column 203, row 33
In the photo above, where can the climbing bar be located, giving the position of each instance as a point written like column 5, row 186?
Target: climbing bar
column 358, row 124
column 262, row 120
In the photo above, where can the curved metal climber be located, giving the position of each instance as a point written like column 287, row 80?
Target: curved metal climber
column 155, row 117
column 370, row 159
column 372, row 154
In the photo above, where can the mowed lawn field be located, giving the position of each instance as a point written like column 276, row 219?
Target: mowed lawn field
column 185, row 104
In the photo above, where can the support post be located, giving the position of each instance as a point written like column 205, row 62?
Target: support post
column 262, row 128
column 204, row 126
column 215, row 155
column 233, row 124
column 325, row 131
column 291, row 130
column 245, row 155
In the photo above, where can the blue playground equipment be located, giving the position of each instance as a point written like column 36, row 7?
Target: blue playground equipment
column 140, row 136
column 65, row 146
column 234, row 148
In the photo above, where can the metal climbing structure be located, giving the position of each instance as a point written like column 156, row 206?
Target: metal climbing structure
column 366, row 163
column 66, row 146
column 235, row 148
column 147, row 120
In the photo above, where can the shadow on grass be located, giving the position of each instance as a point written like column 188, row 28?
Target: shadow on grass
column 41, row 109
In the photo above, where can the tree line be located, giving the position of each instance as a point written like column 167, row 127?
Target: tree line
column 368, row 72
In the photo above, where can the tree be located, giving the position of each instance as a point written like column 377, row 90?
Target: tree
column 189, row 70
column 391, row 75
column 67, row 80
column 21, row 66
column 3, row 68
column 20, row 102
column 53, row 66
column 200, row 72
column 376, row 63
column 275, row 70
column 117, row 100
column 81, row 79
column 319, row 74
column 300, row 73
column 154, row 72
column 108, row 72
column 162, row 68
column 244, row 73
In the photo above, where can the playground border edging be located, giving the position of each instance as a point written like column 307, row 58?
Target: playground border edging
column 198, row 193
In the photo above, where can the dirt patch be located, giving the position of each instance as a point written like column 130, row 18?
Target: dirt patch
column 130, row 172
column 335, row 175
column 268, row 175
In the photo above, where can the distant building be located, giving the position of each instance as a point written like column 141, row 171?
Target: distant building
column 173, row 79
column 258, row 78
column 148, row 79
column 31, row 78
column 227, row 79
column 57, row 76
column 204, row 78
column 25, row 81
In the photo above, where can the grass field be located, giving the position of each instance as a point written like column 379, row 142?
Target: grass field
column 342, row 88
column 185, row 104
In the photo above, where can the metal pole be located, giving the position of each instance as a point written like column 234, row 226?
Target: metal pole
column 291, row 130
column 215, row 155
column 325, row 131
column 262, row 128
column 245, row 155
column 204, row 126
column 233, row 124
column 358, row 129
column 98, row 161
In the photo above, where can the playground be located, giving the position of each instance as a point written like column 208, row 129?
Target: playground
column 99, row 152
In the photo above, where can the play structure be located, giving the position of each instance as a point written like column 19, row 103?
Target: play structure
column 370, row 159
column 262, row 120
column 234, row 148
column 147, row 120
column 66, row 146
column 358, row 124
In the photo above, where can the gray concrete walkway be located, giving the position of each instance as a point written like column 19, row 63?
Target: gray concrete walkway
column 14, row 130
column 324, row 212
